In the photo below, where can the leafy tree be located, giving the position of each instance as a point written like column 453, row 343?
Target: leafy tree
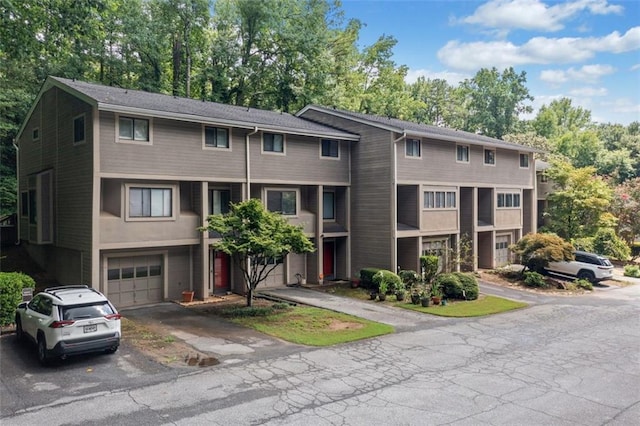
column 535, row 251
column 578, row 206
column 495, row 101
column 582, row 148
column 533, row 140
column 606, row 242
column 560, row 117
column 254, row 237
column 626, row 207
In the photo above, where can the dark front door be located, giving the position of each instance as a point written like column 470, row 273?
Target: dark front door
column 328, row 255
column 220, row 272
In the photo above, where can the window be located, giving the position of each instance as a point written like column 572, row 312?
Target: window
column 509, row 200
column 412, row 148
column 35, row 134
column 24, row 204
column 150, row 202
column 462, row 153
column 544, row 178
column 439, row 199
column 33, row 203
column 216, row 137
column 328, row 205
column 219, row 200
column 330, row 148
column 273, row 142
column 524, row 161
column 282, row 202
column 78, row 129
column 436, row 248
column 133, row 129
column 490, row 156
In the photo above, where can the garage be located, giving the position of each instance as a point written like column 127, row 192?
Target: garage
column 502, row 250
column 133, row 281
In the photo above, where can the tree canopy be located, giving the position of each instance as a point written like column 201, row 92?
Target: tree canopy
column 256, row 239
column 535, row 251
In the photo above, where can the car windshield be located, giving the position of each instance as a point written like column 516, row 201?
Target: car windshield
column 605, row 261
column 94, row 310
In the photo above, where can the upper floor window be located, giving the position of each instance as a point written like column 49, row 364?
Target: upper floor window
column 462, row 153
column 150, row 202
column 524, row 161
column 330, row 148
column 412, row 148
column 543, row 177
column 328, row 205
column 282, row 201
column 219, row 200
column 216, row 137
column 509, row 200
column 273, row 142
column 78, row 129
column 439, row 199
column 133, row 129
column 490, row 156
column 35, row 134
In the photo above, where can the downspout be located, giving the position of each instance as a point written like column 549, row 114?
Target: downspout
column 18, row 199
column 248, row 159
column 394, row 188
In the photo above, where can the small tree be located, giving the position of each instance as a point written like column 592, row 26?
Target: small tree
column 429, row 266
column 537, row 250
column 254, row 237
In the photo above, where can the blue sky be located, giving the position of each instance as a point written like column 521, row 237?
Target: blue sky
column 585, row 50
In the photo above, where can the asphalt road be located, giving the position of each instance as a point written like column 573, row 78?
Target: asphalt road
column 562, row 361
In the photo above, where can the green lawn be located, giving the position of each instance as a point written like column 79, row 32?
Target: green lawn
column 314, row 326
column 484, row 305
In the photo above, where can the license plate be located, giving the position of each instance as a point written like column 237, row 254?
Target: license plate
column 90, row 328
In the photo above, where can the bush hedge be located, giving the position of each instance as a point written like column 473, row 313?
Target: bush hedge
column 534, row 279
column 366, row 277
column 11, row 285
column 632, row 271
column 469, row 285
column 457, row 285
column 392, row 280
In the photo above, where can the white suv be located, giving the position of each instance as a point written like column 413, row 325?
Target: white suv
column 69, row 320
column 588, row 266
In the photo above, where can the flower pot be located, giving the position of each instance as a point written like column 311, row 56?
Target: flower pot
column 355, row 283
column 373, row 295
column 415, row 298
column 400, row 296
column 382, row 297
column 187, row 296
column 424, row 302
column 435, row 300
column 443, row 302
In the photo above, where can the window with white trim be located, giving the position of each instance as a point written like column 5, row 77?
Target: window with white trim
column 437, row 248
column 544, row 178
column 508, row 200
column 282, row 201
column 216, row 137
column 133, row 129
column 79, row 129
column 440, row 199
column 462, row 153
column 490, row 156
column 273, row 142
column 412, row 148
column 524, row 161
column 330, row 148
column 328, row 205
column 219, row 200
column 150, row 202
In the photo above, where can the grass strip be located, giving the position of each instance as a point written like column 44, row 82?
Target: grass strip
column 484, row 305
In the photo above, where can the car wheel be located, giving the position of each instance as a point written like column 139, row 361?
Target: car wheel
column 111, row 350
column 43, row 354
column 19, row 332
column 587, row 275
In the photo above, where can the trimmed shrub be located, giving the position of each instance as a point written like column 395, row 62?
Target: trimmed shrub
column 583, row 284
column 449, row 285
column 606, row 242
column 469, row 285
column 389, row 280
column 534, row 279
column 632, row 271
column 366, row 277
column 11, row 285
column 409, row 278
column 429, row 265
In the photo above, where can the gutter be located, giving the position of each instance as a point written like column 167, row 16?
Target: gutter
column 18, row 199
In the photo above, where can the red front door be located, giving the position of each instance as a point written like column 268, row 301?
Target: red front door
column 220, row 272
column 328, row 253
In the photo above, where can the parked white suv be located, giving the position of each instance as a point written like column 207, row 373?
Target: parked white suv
column 588, row 266
column 69, row 320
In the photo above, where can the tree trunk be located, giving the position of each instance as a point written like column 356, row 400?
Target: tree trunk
column 250, row 297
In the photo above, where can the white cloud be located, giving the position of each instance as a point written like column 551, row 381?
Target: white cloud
column 635, row 67
column 538, row 50
column 534, row 14
column 625, row 106
column 452, row 78
column 589, row 92
column 587, row 74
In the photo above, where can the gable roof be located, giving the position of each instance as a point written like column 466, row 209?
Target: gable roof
column 418, row 130
column 128, row 101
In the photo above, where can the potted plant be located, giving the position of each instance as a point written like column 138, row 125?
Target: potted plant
column 436, row 295
column 187, row 296
column 355, row 281
column 400, row 294
column 383, row 287
column 425, row 297
column 415, row 295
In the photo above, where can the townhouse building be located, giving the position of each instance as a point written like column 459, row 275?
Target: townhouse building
column 114, row 185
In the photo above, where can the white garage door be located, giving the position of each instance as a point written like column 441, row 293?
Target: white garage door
column 135, row 281
column 502, row 250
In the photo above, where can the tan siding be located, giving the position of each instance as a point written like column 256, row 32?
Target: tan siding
column 178, row 274
column 508, row 217
column 444, row 221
